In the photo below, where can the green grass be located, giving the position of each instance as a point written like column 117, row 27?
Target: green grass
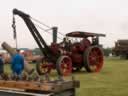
column 111, row 81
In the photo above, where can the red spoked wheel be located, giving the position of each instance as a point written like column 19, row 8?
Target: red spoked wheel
column 43, row 67
column 64, row 65
column 93, row 59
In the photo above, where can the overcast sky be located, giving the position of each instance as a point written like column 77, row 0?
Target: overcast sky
column 109, row 17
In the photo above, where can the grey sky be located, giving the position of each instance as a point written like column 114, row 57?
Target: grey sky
column 101, row 16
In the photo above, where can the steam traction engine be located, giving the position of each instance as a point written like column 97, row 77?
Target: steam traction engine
column 86, row 53
column 66, row 55
column 75, row 55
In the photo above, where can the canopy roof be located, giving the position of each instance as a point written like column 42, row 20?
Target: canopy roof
column 81, row 34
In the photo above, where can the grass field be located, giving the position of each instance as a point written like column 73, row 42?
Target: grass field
column 111, row 81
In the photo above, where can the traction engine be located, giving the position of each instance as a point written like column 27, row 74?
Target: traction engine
column 86, row 53
column 66, row 56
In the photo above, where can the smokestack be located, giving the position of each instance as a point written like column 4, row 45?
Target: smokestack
column 54, row 29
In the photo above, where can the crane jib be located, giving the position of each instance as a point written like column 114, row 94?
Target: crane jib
column 38, row 38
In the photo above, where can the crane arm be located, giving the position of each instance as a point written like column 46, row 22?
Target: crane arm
column 35, row 33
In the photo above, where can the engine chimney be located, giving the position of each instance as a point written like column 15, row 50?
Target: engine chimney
column 54, row 29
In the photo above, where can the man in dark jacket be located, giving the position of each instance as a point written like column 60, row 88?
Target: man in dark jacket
column 17, row 64
column 1, row 65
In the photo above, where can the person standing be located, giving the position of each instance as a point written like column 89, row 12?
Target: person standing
column 17, row 64
column 1, row 65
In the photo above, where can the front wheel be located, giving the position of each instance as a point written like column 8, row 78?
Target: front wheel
column 93, row 59
column 43, row 67
column 64, row 65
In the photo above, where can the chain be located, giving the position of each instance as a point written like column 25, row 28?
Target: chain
column 14, row 27
column 14, row 30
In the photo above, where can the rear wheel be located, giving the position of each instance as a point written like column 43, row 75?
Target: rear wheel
column 64, row 65
column 93, row 59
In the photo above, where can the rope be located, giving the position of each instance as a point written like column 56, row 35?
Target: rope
column 40, row 22
column 61, row 34
column 46, row 30
column 44, row 25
